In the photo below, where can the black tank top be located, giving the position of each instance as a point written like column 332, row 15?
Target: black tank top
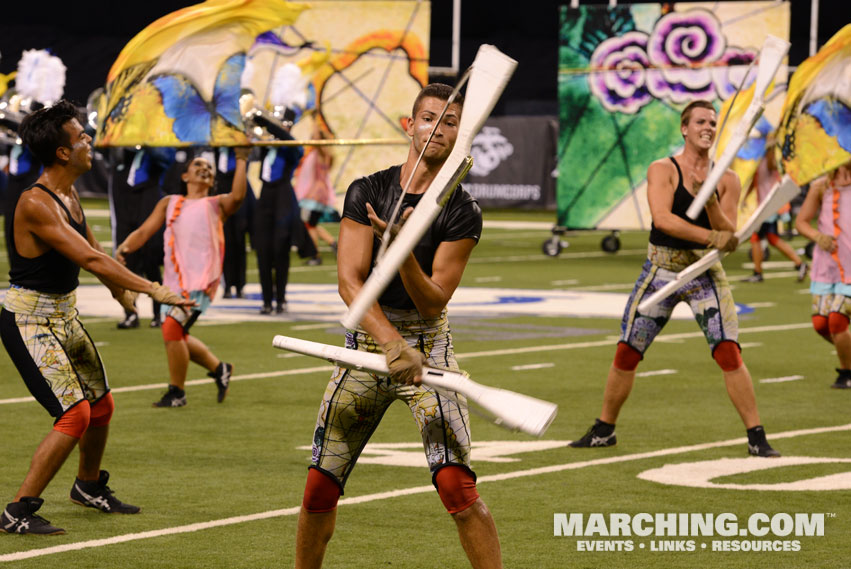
column 682, row 201
column 51, row 272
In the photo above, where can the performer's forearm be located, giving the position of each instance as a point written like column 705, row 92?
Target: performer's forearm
column 428, row 296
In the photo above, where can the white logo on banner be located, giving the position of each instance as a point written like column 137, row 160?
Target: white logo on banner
column 490, row 148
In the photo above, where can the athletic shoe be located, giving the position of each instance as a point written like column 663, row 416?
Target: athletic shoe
column 155, row 323
column 20, row 517
column 334, row 249
column 96, row 494
column 227, row 294
column 313, row 261
column 281, row 308
column 843, row 380
column 267, row 309
column 758, row 444
column 130, row 321
column 754, row 278
column 174, row 397
column 802, row 270
column 222, row 377
column 599, row 435
column 762, row 449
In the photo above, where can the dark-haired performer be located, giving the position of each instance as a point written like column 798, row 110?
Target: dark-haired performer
column 194, row 252
column 39, row 326
column 408, row 324
column 675, row 243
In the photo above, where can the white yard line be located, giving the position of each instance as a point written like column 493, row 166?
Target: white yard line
column 781, row 379
column 532, row 366
column 162, row 385
column 79, row 545
column 656, row 372
column 489, row 353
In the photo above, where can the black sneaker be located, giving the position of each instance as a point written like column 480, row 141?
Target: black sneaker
column 802, row 270
column 96, row 494
column 763, row 449
column 155, row 323
column 758, row 444
column 267, row 309
column 222, row 377
column 280, row 308
column 314, row 261
column 599, row 435
column 754, row 278
column 174, row 397
column 843, row 380
column 130, row 321
column 20, row 517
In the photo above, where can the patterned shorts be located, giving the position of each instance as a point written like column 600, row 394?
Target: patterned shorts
column 708, row 296
column 824, row 304
column 355, row 401
column 54, row 354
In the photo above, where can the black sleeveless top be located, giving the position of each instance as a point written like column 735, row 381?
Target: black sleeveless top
column 51, row 272
column 460, row 218
column 682, row 201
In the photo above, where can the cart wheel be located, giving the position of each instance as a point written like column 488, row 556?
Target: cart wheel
column 552, row 246
column 611, row 243
column 808, row 250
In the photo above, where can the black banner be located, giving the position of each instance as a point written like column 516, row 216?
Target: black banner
column 513, row 163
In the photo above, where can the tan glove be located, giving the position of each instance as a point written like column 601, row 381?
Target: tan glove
column 825, row 242
column 121, row 254
column 405, row 362
column 126, row 298
column 723, row 240
column 164, row 295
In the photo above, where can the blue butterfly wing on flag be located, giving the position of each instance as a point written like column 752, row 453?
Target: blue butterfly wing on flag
column 227, row 90
column 182, row 103
column 835, row 118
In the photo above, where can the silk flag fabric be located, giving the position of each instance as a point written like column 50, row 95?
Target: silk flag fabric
column 625, row 74
column 755, row 146
column 365, row 62
column 815, row 131
column 362, row 63
column 177, row 83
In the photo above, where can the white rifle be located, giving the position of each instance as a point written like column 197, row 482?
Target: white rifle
column 782, row 192
column 490, row 73
column 505, row 408
column 773, row 51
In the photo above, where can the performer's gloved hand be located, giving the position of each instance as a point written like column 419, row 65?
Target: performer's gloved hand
column 726, row 241
column 126, row 298
column 121, row 253
column 405, row 363
column 826, row 242
column 712, row 200
column 379, row 225
column 164, row 295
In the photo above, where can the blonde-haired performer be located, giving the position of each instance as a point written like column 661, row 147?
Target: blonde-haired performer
column 675, row 243
column 194, row 246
